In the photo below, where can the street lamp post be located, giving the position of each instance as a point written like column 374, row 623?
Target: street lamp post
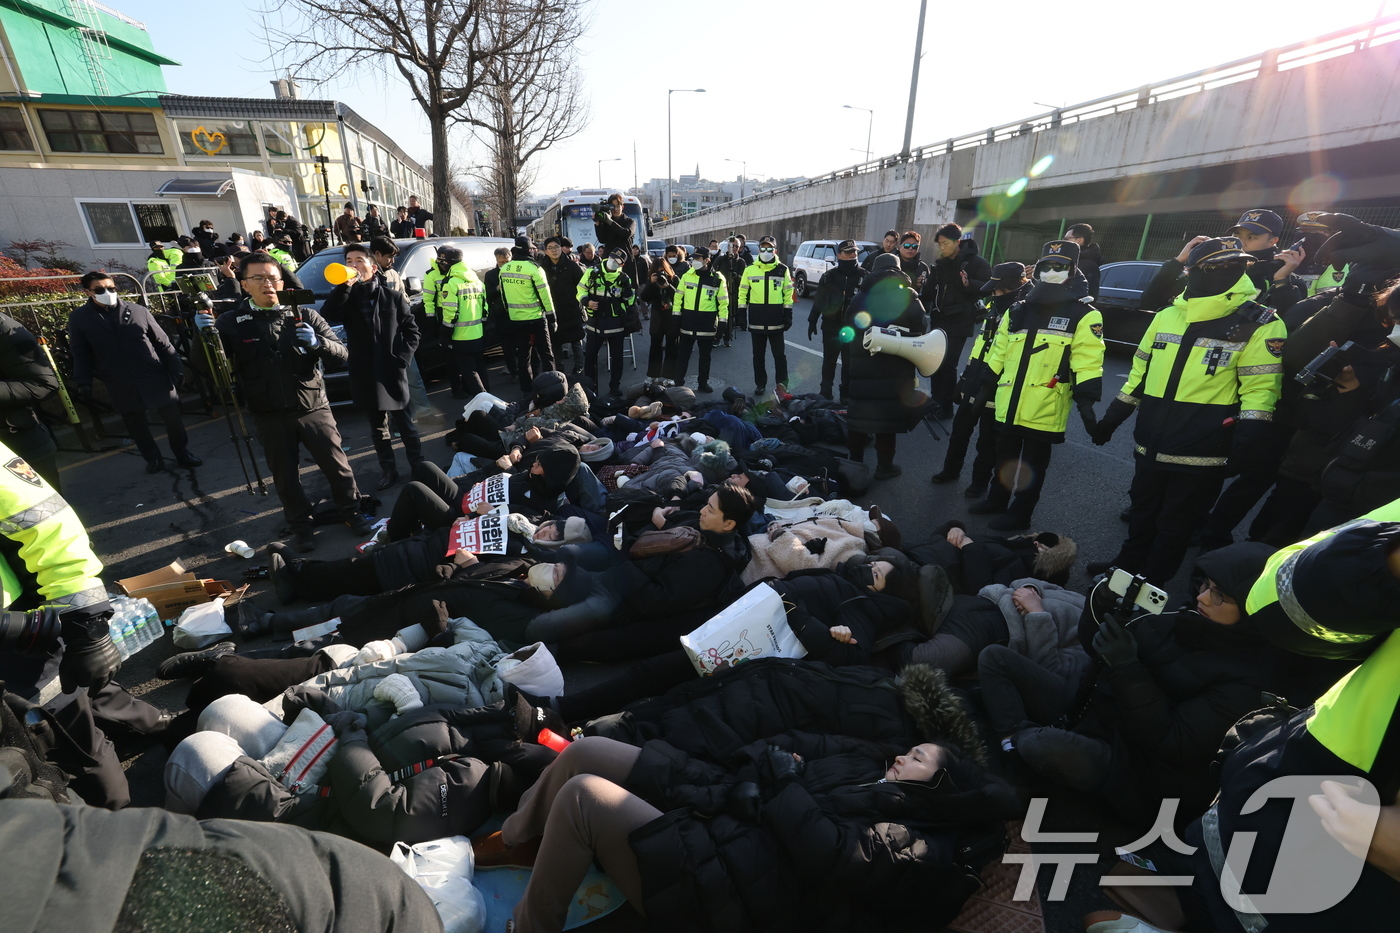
column 670, row 186
column 869, row 125
column 600, row 169
column 742, row 177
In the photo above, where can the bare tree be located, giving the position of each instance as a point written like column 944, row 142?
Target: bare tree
column 447, row 50
column 528, row 104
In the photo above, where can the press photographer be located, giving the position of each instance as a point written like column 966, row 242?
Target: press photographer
column 613, row 228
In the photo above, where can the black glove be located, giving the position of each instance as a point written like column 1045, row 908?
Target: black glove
column 1359, row 242
column 1115, row 644
column 1250, row 447
column 722, row 331
column 811, row 329
column 1118, row 412
column 744, row 802
column 1363, row 281
column 89, row 657
column 348, row 725
column 783, row 765
column 787, row 319
column 1086, row 414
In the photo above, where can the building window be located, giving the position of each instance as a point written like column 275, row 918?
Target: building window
column 13, row 133
column 217, row 138
column 101, row 131
column 127, row 223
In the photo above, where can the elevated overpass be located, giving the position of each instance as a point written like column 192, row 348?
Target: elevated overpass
column 1307, row 126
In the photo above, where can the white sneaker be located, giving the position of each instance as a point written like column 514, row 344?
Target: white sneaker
column 1111, row 921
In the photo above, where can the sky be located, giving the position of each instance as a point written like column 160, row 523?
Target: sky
column 778, row 74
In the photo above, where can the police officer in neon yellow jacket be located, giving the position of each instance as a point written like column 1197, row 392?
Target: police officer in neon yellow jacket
column 530, row 308
column 462, row 303
column 1205, row 380
column 1335, row 595
column 1046, row 357
column 702, row 303
column 765, row 297
column 55, row 649
column 162, row 263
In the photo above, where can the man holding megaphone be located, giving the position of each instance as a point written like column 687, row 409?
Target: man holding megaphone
column 884, row 396
column 381, row 335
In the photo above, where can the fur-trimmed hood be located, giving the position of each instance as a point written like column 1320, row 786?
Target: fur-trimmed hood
column 939, row 714
column 1053, row 564
column 551, row 418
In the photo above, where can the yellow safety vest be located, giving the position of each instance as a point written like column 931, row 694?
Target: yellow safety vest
column 1037, row 374
column 284, row 258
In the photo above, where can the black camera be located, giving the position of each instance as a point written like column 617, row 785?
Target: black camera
column 1325, row 366
column 192, row 285
column 296, row 296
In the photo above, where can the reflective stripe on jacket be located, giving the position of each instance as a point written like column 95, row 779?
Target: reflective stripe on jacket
column 766, row 290
column 702, row 303
column 614, row 294
column 1038, row 365
column 462, row 303
column 526, row 290
column 1231, row 369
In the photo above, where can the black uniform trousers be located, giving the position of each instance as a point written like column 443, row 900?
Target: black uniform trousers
column 470, row 360
column 833, row 352
column 762, row 340
column 139, row 428
column 282, row 435
column 259, row 679
column 590, row 358
column 707, row 344
column 1021, row 464
column 1165, row 508
column 1245, row 491
column 943, row 385
column 967, row 420
column 665, row 348
column 384, row 441
column 532, row 335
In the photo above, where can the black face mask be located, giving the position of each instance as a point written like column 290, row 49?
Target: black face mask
column 859, row 574
column 1265, row 254
column 846, row 263
column 1201, row 283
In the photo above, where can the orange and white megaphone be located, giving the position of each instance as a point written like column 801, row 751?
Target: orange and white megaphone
column 338, row 273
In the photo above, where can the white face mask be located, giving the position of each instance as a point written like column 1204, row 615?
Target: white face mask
column 766, row 255
column 1395, row 335
column 541, row 577
column 106, row 298
column 613, row 265
column 1054, row 276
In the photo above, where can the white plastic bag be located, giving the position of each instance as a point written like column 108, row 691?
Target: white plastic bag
column 753, row 626
column 200, row 626
column 532, row 669
column 443, row 869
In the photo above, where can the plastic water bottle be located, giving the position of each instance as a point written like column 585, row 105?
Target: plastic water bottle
column 114, row 629
column 138, row 625
column 129, row 630
column 153, row 623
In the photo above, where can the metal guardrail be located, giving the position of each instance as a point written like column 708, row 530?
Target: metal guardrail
column 1309, row 51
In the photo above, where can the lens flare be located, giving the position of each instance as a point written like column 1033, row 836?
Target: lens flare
column 1318, row 191
column 862, row 320
column 846, row 334
column 995, row 208
column 1017, row 186
column 1041, row 164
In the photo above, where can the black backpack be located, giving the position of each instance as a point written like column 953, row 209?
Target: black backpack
column 24, row 771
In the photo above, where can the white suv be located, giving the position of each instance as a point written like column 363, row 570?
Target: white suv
column 815, row 257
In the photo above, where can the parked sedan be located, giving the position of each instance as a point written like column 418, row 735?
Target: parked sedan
column 414, row 260
column 1121, row 285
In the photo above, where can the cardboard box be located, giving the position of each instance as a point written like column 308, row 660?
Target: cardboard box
column 173, row 589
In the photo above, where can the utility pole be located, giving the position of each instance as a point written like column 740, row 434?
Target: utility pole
column 914, row 80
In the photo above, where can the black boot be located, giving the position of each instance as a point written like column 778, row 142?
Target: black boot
column 252, row 621
column 282, row 571
column 193, row 664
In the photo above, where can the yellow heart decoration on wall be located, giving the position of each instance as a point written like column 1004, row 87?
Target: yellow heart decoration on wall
column 216, row 141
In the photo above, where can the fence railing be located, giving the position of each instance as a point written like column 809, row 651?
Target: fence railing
column 1309, row 51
